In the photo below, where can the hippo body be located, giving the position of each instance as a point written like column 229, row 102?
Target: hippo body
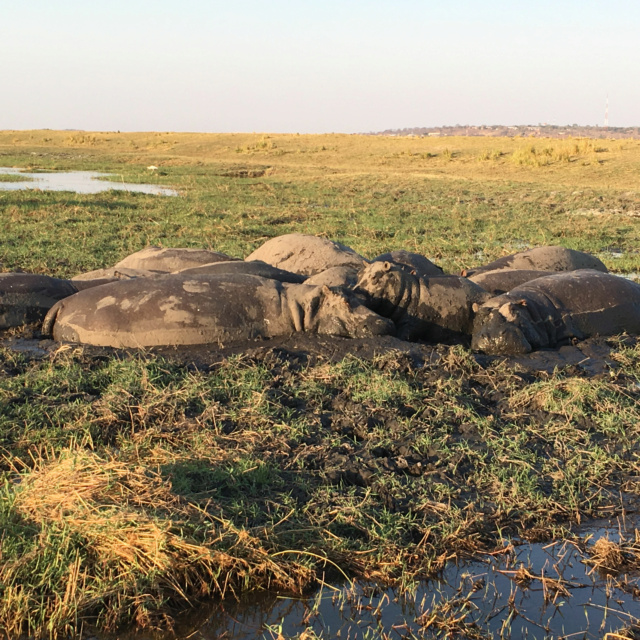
column 554, row 309
column 115, row 273
column 503, row 280
column 543, row 259
column 253, row 268
column 306, row 254
column 26, row 297
column 343, row 277
column 412, row 262
column 198, row 309
column 169, row 260
column 437, row 308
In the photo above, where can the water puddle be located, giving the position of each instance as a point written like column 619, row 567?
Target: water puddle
column 535, row 591
column 78, row 181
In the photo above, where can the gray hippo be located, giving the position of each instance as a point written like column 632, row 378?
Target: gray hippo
column 436, row 308
column 413, row 262
column 503, row 280
column 306, row 255
column 554, row 309
column 169, row 260
column 27, row 297
column 112, row 274
column 345, row 277
column 253, row 268
column 543, row 259
column 196, row 309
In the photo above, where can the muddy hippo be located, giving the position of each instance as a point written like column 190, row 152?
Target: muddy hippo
column 253, row 268
column 543, row 259
column 27, row 297
column 112, row 274
column 306, row 255
column 336, row 277
column 554, row 309
column 170, row 259
column 412, row 262
column 196, row 309
column 503, row 280
column 437, row 308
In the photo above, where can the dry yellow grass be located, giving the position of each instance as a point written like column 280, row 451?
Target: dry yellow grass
column 577, row 162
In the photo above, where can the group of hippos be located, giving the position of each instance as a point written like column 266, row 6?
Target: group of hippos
column 542, row 297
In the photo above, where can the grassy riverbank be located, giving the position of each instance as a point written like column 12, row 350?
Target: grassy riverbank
column 134, row 484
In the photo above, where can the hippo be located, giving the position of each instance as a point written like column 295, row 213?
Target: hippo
column 543, row 259
column 168, row 260
column 112, row 274
column 344, row 277
column 413, row 262
column 306, row 255
column 503, row 280
column 254, row 268
column 553, row 310
column 27, row 297
column 436, row 308
column 200, row 309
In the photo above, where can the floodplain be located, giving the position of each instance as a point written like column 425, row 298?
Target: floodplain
column 138, row 485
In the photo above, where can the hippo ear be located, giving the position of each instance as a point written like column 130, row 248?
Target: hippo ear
column 325, row 291
column 387, row 266
column 522, row 302
column 474, row 307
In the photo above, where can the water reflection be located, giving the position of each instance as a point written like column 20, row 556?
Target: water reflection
column 536, row 591
column 78, row 181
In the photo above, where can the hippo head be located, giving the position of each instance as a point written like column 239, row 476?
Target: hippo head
column 384, row 285
column 332, row 313
column 504, row 330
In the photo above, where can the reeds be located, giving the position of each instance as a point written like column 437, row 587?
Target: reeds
column 106, row 542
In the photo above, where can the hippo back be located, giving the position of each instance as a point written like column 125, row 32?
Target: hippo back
column 253, row 268
column 504, row 280
column 115, row 273
column 169, row 260
column 544, row 259
column 344, row 277
column 306, row 254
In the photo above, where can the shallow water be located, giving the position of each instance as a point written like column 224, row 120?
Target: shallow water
column 564, row 599
column 78, row 181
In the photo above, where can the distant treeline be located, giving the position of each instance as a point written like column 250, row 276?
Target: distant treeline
column 540, row 131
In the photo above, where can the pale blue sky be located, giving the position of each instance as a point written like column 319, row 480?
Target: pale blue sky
column 321, row 66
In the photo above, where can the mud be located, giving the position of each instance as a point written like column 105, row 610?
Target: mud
column 358, row 460
column 589, row 357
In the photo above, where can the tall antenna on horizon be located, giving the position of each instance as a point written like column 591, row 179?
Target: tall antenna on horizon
column 606, row 113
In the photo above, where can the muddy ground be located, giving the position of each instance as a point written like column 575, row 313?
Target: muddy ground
column 342, row 449
column 311, row 458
